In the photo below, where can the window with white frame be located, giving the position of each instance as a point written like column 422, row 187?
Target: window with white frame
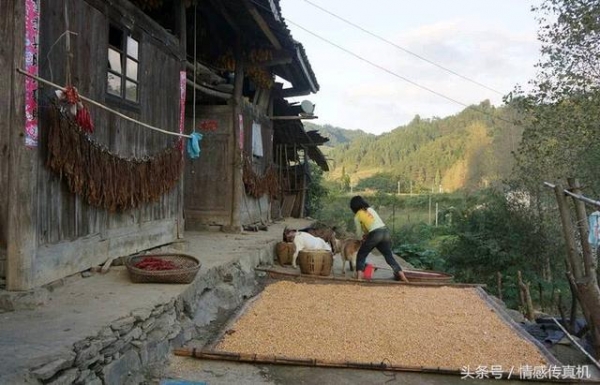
column 123, row 65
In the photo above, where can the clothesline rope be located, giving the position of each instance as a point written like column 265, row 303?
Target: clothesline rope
column 100, row 105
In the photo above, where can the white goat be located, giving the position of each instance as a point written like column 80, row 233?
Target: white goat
column 305, row 241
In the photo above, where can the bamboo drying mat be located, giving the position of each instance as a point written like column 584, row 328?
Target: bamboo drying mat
column 213, row 351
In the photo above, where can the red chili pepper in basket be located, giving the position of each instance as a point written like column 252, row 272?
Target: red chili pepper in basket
column 154, row 264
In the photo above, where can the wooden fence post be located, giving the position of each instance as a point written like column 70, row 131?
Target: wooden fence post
column 587, row 282
column 526, row 297
column 499, row 278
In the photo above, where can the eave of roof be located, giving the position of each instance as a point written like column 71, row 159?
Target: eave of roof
column 292, row 133
column 276, row 21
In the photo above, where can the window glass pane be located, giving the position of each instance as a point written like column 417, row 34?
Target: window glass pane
column 115, row 38
column 114, row 61
column 123, row 65
column 114, row 84
column 131, row 90
column 132, row 69
column 132, row 47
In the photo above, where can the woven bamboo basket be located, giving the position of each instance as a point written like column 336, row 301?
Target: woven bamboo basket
column 315, row 262
column 188, row 268
column 284, row 252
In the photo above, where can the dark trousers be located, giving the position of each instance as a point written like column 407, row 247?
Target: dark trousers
column 382, row 240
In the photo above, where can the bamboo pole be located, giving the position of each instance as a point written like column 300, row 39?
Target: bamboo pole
column 284, row 360
column 313, row 362
column 95, row 103
column 575, row 195
column 570, row 337
column 273, row 272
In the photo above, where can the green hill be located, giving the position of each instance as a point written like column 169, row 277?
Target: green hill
column 336, row 135
column 469, row 150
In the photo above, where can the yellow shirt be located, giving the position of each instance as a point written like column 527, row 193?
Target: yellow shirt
column 367, row 221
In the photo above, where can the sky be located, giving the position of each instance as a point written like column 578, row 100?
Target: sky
column 493, row 42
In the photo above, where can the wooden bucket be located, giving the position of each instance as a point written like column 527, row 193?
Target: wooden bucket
column 284, row 252
column 315, row 262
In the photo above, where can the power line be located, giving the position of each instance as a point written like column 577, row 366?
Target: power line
column 389, row 71
column 377, row 65
column 402, row 48
column 398, row 75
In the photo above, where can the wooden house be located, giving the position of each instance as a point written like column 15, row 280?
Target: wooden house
column 72, row 198
column 237, row 179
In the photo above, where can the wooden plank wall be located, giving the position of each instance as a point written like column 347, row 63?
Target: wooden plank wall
column 72, row 235
column 257, row 210
column 7, row 27
column 208, row 179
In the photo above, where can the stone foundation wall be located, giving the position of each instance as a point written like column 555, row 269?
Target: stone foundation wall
column 132, row 348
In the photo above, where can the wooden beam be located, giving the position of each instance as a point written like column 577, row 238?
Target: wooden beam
column 292, row 117
column 180, row 22
column 237, row 185
column 262, row 24
column 291, row 92
column 279, row 58
column 23, row 162
column 208, row 91
column 203, row 71
column 218, row 6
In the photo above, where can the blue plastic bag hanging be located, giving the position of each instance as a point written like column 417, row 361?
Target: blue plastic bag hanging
column 193, row 145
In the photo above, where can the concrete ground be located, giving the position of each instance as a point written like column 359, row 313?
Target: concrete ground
column 225, row 373
column 77, row 308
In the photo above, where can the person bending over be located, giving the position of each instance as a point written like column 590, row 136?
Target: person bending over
column 375, row 234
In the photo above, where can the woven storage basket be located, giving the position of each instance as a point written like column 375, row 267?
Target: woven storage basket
column 315, row 262
column 285, row 252
column 189, row 267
